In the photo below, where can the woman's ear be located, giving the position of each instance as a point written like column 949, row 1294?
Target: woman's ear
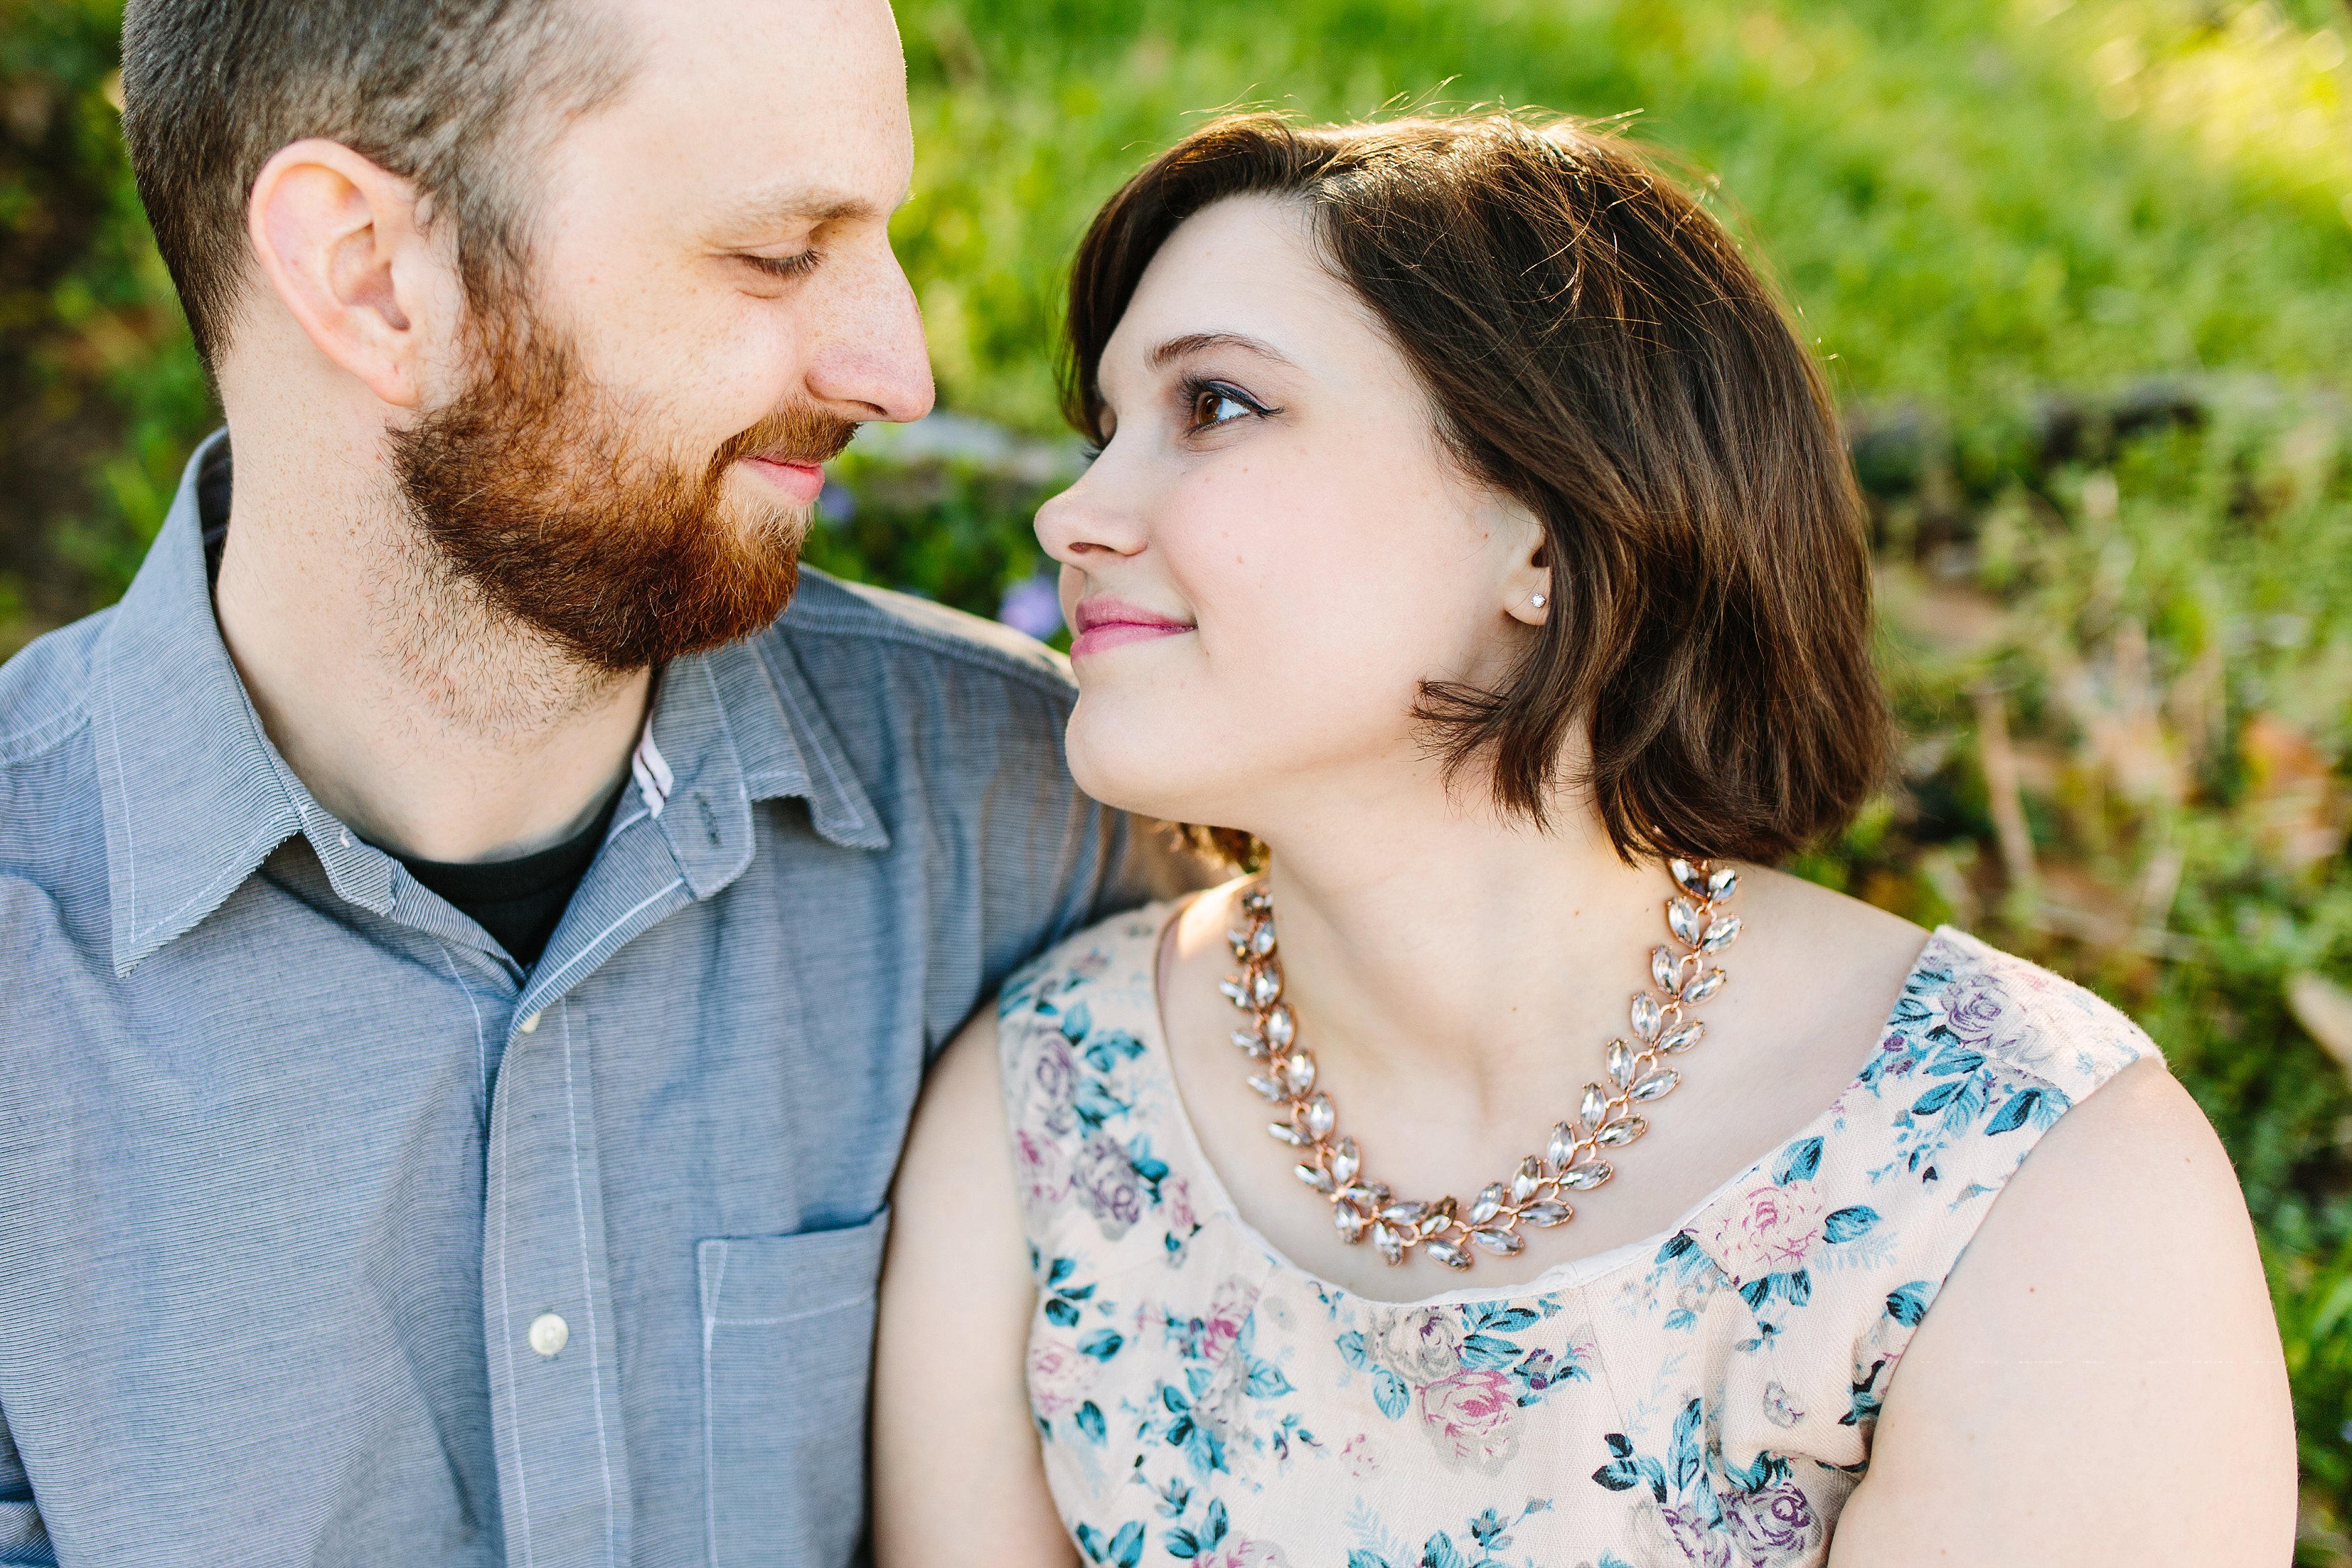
column 341, row 242
column 1527, row 584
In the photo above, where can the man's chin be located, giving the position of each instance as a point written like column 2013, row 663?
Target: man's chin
column 757, row 510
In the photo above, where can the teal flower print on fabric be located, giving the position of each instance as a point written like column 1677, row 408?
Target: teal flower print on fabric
column 1963, row 1054
column 1756, row 1519
column 1201, row 1400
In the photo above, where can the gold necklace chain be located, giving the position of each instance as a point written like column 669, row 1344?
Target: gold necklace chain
column 1536, row 1195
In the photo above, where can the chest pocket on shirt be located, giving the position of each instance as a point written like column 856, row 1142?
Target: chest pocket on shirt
column 787, row 1344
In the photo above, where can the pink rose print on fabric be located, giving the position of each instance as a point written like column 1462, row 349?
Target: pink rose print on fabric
column 1687, row 1530
column 1056, row 1077
column 1229, row 1309
column 1106, row 1180
column 1769, row 1527
column 1176, row 1198
column 1473, row 1417
column 1240, row 1553
column 1416, row 1344
column 1972, row 1012
column 1767, row 1229
column 1678, row 1535
column 1037, row 1164
column 1059, row 1377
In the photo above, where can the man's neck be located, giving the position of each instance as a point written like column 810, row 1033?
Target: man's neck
column 433, row 724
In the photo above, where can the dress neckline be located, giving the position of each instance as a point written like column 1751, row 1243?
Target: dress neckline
column 1567, row 1274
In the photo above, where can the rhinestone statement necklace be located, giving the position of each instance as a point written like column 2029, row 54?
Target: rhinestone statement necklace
column 1283, row 1073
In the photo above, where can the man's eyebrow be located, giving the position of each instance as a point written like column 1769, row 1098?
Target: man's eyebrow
column 1175, row 349
column 800, row 203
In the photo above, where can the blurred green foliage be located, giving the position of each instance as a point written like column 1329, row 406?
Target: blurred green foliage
column 2080, row 267
column 102, row 391
column 1936, row 181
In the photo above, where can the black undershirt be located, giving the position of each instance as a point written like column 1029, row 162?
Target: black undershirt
column 520, row 902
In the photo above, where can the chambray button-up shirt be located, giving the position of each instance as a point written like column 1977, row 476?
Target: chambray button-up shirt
column 329, row 1235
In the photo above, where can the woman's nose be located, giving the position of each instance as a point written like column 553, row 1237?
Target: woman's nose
column 1089, row 522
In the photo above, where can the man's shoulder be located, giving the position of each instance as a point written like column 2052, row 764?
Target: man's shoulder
column 53, row 880
column 44, row 690
column 856, row 631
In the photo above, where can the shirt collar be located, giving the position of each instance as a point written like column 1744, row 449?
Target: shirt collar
column 195, row 797
column 739, row 724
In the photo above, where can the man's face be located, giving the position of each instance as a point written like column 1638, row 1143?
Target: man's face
column 627, row 454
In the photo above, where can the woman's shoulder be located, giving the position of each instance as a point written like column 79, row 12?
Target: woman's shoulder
column 2108, row 1332
column 1979, row 1056
column 1840, row 1240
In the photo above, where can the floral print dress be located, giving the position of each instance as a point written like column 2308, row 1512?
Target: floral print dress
column 1707, row 1397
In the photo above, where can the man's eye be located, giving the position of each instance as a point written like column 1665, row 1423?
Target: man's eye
column 785, row 266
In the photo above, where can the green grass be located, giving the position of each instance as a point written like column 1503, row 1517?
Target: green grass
column 2002, row 219
column 1936, row 181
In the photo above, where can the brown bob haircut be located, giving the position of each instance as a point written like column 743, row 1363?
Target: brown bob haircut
column 1593, row 344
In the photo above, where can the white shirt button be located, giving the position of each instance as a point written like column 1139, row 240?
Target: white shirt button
column 548, row 1334
column 529, row 1023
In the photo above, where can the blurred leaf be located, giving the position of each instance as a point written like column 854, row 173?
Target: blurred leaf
column 2299, row 811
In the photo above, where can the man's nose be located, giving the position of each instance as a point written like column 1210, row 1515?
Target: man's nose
column 874, row 365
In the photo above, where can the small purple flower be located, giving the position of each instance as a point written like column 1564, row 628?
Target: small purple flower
column 1056, row 1077
column 1057, row 1069
column 1973, row 1014
column 1033, row 606
column 1771, row 1526
column 1107, row 1176
column 1698, row 1544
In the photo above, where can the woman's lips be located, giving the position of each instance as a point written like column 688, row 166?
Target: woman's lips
column 801, row 481
column 1104, row 623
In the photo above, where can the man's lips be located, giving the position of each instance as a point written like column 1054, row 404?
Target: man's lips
column 801, row 481
column 1104, row 623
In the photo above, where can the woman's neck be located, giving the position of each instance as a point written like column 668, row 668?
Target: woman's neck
column 1455, row 942
column 1457, row 980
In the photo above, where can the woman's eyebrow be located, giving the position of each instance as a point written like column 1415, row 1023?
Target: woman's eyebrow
column 1192, row 343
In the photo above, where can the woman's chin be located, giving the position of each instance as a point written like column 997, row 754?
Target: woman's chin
column 1130, row 785
column 1148, row 771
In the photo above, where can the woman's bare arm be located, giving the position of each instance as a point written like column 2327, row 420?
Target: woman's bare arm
column 2099, row 1381
column 959, row 1480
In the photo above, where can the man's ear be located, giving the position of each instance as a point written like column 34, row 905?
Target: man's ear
column 338, row 239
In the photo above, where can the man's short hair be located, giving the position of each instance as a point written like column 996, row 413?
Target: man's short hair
column 459, row 96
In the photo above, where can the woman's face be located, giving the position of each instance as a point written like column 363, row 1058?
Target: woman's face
column 1273, row 552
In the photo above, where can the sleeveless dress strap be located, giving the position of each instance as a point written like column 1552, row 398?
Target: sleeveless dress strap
column 1096, row 1196
column 1834, row 1247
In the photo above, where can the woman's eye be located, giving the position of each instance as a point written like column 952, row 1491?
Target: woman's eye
column 1215, row 405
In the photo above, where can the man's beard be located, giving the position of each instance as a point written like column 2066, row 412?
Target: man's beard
column 533, row 486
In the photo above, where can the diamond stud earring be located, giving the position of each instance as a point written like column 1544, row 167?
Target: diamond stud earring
column 1536, row 601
